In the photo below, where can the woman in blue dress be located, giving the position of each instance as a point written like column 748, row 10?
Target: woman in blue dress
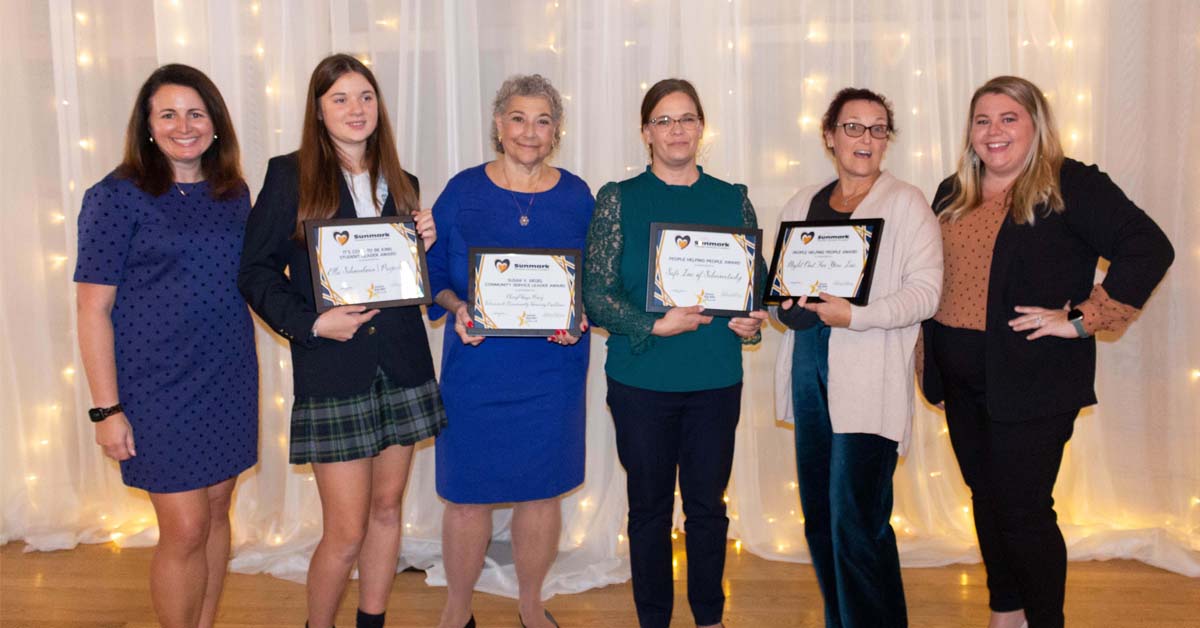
column 515, row 405
column 166, row 339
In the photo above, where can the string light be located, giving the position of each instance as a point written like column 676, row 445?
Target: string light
column 87, row 144
column 390, row 23
column 57, row 261
column 81, row 17
column 260, row 50
column 68, row 373
column 277, row 539
column 584, row 503
column 644, row 85
column 32, row 477
column 630, row 42
column 181, row 40
column 935, row 474
column 254, row 8
column 57, row 218
column 914, row 111
column 737, row 546
column 816, row 33
column 1195, row 374
column 1070, row 43
column 84, row 58
column 963, row 579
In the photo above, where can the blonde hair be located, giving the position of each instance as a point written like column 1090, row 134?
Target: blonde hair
column 1038, row 182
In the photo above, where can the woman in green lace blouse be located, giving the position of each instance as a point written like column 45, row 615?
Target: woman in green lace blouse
column 674, row 379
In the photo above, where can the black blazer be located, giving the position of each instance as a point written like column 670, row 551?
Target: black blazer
column 1046, row 265
column 394, row 340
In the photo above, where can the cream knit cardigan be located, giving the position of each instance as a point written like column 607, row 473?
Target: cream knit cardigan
column 871, row 364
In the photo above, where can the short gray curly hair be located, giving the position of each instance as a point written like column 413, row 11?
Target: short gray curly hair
column 529, row 86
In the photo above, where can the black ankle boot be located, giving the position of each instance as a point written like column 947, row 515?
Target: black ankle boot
column 367, row 620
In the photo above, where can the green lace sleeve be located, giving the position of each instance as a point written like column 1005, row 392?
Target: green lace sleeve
column 603, row 293
column 750, row 220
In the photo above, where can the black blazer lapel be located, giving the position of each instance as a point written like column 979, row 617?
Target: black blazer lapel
column 1003, row 253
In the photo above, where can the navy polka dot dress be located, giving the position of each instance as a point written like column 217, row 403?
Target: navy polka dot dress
column 187, row 373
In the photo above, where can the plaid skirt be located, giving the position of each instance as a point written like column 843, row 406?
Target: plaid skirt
column 338, row 429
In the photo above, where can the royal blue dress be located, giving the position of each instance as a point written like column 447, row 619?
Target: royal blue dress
column 187, row 373
column 515, row 405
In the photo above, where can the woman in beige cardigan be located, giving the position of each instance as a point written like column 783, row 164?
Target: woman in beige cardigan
column 845, row 372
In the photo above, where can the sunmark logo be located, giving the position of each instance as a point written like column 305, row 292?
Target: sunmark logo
column 531, row 266
column 501, row 265
column 342, row 237
column 372, row 236
column 836, row 236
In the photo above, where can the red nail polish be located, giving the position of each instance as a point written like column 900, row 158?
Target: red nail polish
column 470, row 323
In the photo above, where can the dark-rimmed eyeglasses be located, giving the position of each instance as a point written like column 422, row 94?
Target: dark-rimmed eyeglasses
column 855, row 129
column 666, row 123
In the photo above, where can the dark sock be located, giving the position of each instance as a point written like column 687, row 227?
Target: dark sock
column 367, row 620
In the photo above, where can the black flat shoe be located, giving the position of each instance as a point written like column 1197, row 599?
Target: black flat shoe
column 548, row 616
column 470, row 622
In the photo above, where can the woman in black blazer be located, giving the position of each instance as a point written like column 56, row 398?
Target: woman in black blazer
column 364, row 383
column 1011, row 351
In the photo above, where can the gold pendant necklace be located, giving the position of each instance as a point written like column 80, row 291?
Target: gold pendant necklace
column 523, row 220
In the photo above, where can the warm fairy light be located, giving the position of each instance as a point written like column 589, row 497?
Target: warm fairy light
column 283, row 364
column 44, row 442
column 816, row 33
column 365, row 60
column 1074, row 136
column 725, row 498
column 1070, row 43
column 630, row 42
column 770, row 519
column 935, row 474
column 904, row 37
column 585, row 503
column 175, row 3
column 550, row 44
column 783, row 547
column 1052, row 43
column 254, row 8
column 71, row 185
column 279, row 400
column 143, row 520
column 81, row 17
column 260, row 50
column 896, row 519
column 32, row 477
column 918, row 72
column 310, row 478
column 180, row 40
column 57, row 261
column 918, row 154
column 945, row 430
column 1195, row 374
column 277, row 539
column 87, row 143
column 914, row 111
column 674, row 535
column 1080, row 97
column 68, row 373
column 115, row 536
column 645, row 86
column 283, row 442
column 966, row 509
column 963, row 579
column 729, row 45
column 270, row 90
column 57, row 218
column 1024, row 42
column 1195, row 502
column 793, row 485
column 737, row 546
column 104, row 517
column 391, row 23
column 804, row 121
column 84, row 58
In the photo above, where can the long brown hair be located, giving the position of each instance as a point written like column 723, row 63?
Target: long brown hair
column 320, row 167
column 1038, row 182
column 149, row 168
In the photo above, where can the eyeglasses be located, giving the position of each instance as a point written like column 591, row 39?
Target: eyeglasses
column 689, row 122
column 855, row 129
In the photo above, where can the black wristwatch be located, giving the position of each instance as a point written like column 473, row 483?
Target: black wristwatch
column 1075, row 318
column 99, row 414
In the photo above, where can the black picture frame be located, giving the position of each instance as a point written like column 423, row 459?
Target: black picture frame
column 326, row 299
column 654, row 300
column 771, row 294
column 573, row 259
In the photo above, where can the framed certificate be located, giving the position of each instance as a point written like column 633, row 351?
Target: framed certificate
column 703, row 265
column 832, row 256
column 524, row 292
column 376, row 262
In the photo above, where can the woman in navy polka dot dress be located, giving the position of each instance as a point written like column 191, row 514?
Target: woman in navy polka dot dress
column 165, row 338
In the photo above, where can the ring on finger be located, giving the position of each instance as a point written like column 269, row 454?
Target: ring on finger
column 1039, row 321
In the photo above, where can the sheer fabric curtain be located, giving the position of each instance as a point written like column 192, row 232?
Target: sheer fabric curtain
column 1121, row 75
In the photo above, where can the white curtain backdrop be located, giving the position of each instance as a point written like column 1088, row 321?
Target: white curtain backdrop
column 1121, row 74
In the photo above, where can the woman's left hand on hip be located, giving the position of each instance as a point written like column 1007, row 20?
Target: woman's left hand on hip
column 1043, row 322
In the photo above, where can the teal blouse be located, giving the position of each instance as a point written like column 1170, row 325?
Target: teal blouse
column 614, row 283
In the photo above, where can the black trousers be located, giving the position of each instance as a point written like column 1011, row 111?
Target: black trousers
column 658, row 435
column 1010, row 468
